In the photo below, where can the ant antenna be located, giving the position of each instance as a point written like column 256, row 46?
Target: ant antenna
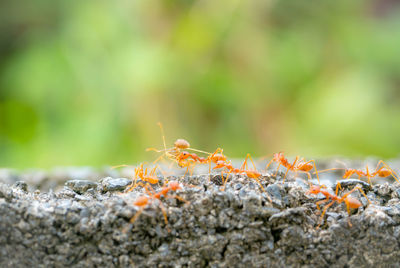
column 162, row 134
column 329, row 169
column 341, row 162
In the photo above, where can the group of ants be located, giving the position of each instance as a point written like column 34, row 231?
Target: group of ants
column 185, row 157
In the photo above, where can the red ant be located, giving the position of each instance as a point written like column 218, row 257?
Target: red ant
column 212, row 158
column 182, row 157
column 383, row 171
column 351, row 202
column 301, row 166
column 143, row 201
column 141, row 173
column 175, row 153
column 253, row 174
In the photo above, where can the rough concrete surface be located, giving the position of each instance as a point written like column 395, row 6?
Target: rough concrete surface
column 86, row 224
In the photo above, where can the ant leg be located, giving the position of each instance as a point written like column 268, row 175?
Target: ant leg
column 226, row 179
column 251, row 159
column 348, row 212
column 287, row 170
column 244, row 165
column 277, row 169
column 133, row 185
column 355, row 189
column 118, row 166
column 315, row 168
column 369, row 180
column 368, row 175
column 187, row 169
column 380, row 162
column 163, row 173
column 267, row 166
column 164, row 212
column 338, row 186
column 321, row 202
column 131, row 188
column 324, row 211
column 149, row 190
column 290, row 168
column 309, row 178
column 179, row 198
column 154, row 170
column 262, row 188
column 191, row 170
column 158, row 159
column 134, row 218
column 363, row 193
column 209, row 171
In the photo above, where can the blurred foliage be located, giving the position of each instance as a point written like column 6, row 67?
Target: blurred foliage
column 85, row 82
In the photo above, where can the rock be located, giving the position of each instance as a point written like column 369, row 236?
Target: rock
column 114, row 184
column 352, row 183
column 21, row 185
column 80, row 226
column 275, row 193
column 218, row 180
column 81, row 186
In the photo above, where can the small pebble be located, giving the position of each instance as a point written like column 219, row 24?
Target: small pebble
column 80, row 186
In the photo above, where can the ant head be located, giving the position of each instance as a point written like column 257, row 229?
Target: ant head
column 219, row 157
column 278, row 156
column 348, row 173
column 314, row 189
column 181, row 144
column 184, row 155
column 174, row 185
column 219, row 164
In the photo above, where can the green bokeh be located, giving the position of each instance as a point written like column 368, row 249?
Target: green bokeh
column 85, row 82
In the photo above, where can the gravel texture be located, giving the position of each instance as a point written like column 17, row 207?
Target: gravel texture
column 86, row 224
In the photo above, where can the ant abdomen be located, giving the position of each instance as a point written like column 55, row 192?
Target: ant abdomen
column 353, row 202
column 384, row 173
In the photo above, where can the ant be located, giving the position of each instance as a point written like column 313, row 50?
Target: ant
column 175, row 153
column 143, row 201
column 251, row 173
column 301, row 165
column 383, row 171
column 145, row 176
column 351, row 202
column 212, row 158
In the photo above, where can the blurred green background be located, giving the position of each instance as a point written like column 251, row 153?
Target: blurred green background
column 85, row 82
